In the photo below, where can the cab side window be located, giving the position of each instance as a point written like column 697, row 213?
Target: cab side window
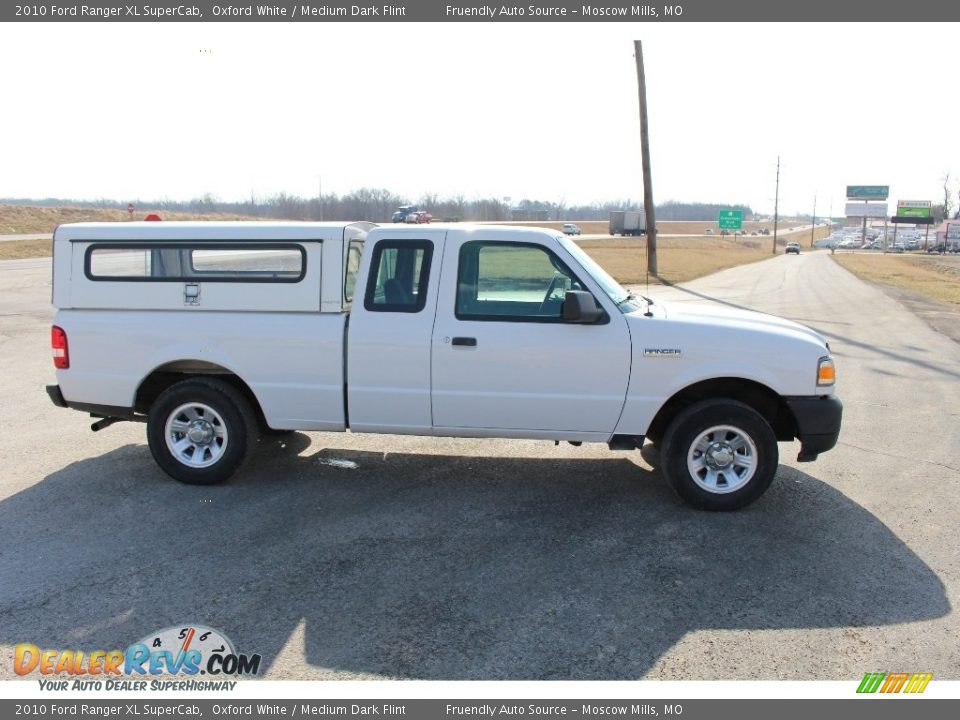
column 511, row 282
column 399, row 274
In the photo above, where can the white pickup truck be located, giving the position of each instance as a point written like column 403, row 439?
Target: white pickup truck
column 213, row 332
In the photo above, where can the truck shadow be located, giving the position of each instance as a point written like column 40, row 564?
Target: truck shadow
column 437, row 566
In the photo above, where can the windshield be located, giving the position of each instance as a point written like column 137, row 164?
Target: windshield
column 609, row 286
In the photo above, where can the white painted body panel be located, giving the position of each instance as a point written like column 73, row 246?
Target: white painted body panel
column 716, row 343
column 292, row 361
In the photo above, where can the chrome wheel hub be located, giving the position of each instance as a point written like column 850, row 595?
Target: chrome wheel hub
column 719, row 455
column 196, row 435
column 200, row 432
column 722, row 459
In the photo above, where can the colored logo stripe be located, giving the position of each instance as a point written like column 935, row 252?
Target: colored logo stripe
column 871, row 682
column 918, row 682
column 894, row 682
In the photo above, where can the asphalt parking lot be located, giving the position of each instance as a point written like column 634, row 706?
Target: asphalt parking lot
column 341, row 556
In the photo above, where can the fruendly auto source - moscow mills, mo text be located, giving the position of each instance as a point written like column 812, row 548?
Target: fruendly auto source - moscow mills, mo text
column 536, row 11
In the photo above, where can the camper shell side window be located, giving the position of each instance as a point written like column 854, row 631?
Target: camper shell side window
column 206, row 261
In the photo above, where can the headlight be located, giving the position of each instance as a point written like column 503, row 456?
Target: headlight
column 826, row 372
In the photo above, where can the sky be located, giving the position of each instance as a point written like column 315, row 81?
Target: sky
column 544, row 111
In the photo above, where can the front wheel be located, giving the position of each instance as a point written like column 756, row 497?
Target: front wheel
column 200, row 431
column 719, row 455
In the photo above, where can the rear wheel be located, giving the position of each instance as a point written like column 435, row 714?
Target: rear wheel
column 200, row 431
column 650, row 453
column 719, row 455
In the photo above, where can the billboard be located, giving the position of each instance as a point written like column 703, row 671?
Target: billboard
column 913, row 208
column 870, row 210
column 868, row 192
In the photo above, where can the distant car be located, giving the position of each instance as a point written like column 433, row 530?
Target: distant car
column 418, row 216
column 793, row 247
column 403, row 212
column 722, row 232
column 897, row 247
column 570, row 229
column 709, row 231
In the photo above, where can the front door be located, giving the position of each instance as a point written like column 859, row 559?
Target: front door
column 503, row 358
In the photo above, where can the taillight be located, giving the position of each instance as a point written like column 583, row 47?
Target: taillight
column 61, row 353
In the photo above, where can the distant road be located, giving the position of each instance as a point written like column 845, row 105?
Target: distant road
column 26, row 236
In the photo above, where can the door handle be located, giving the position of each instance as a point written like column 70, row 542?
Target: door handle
column 465, row 341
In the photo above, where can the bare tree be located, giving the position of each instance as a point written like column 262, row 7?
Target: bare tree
column 429, row 201
column 289, row 207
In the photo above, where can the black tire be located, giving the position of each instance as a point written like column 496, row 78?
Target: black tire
column 650, row 453
column 223, row 427
column 737, row 457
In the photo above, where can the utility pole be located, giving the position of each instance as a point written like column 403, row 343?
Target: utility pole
column 813, row 222
column 320, row 195
column 645, row 161
column 776, row 206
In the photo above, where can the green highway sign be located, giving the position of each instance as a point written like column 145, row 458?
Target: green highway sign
column 730, row 219
column 868, row 192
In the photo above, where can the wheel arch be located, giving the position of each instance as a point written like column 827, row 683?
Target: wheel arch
column 170, row 373
column 754, row 394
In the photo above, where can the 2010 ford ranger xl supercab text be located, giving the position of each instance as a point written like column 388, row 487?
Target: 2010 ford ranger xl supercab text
column 213, row 332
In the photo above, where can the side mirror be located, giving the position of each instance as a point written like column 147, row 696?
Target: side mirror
column 581, row 307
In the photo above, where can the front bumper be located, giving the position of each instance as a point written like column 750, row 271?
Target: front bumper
column 818, row 424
